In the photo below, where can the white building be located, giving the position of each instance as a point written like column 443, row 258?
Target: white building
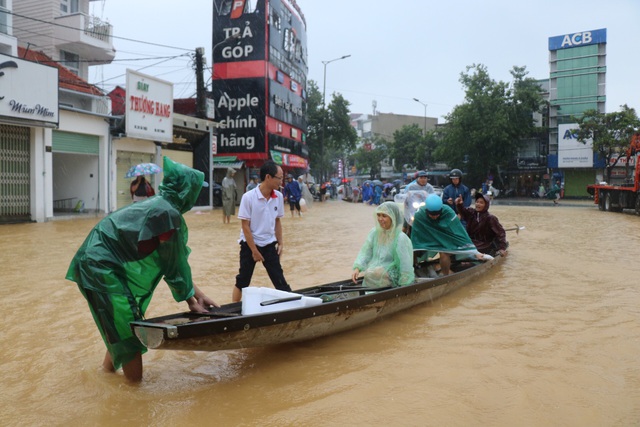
column 61, row 148
column 64, row 31
column 54, row 126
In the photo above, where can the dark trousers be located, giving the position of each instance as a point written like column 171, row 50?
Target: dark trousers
column 295, row 205
column 271, row 263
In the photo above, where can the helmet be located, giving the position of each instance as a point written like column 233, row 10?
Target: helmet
column 422, row 173
column 433, row 203
column 455, row 173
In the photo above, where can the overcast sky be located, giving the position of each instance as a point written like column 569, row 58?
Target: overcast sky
column 399, row 51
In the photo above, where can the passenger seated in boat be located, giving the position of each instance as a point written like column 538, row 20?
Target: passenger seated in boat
column 437, row 229
column 484, row 228
column 386, row 258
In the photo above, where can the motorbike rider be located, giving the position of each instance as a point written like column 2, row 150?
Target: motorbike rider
column 456, row 189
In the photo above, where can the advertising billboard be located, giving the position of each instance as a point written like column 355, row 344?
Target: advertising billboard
column 238, row 31
column 582, row 38
column 286, row 105
column 28, row 91
column 240, row 115
column 148, row 108
column 571, row 152
column 288, row 39
column 259, row 77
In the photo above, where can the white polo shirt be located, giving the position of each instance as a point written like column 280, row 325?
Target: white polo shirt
column 262, row 214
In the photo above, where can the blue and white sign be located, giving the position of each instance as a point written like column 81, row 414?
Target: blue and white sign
column 571, row 152
column 583, row 38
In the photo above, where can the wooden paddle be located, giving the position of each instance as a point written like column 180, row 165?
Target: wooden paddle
column 346, row 289
column 280, row 300
column 350, row 289
column 517, row 228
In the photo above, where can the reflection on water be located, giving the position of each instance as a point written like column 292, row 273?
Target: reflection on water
column 551, row 337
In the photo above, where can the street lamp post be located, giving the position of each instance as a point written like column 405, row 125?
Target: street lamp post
column 425, row 128
column 324, row 110
column 425, row 113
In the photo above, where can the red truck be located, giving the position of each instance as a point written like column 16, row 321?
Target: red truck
column 624, row 194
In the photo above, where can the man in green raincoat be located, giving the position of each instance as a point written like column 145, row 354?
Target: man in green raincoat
column 437, row 228
column 125, row 256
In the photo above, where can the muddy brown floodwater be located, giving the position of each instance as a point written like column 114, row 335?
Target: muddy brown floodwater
column 551, row 337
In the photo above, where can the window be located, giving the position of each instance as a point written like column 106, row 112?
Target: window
column 71, row 61
column 4, row 17
column 68, row 7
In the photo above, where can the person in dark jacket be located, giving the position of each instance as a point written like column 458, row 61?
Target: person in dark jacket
column 485, row 230
column 293, row 194
column 454, row 190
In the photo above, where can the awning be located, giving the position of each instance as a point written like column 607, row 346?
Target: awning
column 223, row 162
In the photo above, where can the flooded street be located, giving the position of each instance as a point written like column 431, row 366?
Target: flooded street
column 551, row 337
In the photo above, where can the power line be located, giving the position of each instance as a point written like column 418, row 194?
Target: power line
column 96, row 33
column 150, row 58
column 101, row 83
column 151, row 65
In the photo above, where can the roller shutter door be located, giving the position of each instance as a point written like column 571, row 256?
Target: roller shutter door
column 77, row 143
column 15, row 178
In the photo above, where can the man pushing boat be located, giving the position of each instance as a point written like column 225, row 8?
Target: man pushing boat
column 121, row 262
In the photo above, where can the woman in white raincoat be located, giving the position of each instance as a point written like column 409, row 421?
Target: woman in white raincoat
column 304, row 190
column 386, row 258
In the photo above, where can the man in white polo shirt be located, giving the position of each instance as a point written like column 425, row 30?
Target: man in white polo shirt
column 261, row 233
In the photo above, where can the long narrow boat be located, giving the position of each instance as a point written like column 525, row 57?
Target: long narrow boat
column 342, row 306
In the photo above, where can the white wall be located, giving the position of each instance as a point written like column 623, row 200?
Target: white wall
column 77, row 176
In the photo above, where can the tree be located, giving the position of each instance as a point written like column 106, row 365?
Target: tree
column 370, row 155
column 610, row 133
column 408, row 148
column 330, row 135
column 315, row 114
column 483, row 133
column 340, row 137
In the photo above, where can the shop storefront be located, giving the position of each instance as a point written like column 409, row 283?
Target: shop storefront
column 28, row 111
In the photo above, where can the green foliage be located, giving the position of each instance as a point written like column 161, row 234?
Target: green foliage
column 610, row 132
column 339, row 134
column 370, row 156
column 483, row 133
column 408, row 148
column 314, row 123
column 332, row 125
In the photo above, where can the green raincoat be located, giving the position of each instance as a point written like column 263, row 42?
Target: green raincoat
column 127, row 253
column 443, row 234
column 386, row 258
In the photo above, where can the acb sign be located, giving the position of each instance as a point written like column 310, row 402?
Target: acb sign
column 582, row 38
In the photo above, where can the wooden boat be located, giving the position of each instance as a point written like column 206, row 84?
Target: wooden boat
column 345, row 307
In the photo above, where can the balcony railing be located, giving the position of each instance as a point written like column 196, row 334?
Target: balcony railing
column 85, row 35
column 91, row 26
column 95, row 27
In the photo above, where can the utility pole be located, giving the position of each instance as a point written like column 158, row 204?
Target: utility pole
column 425, row 114
column 201, row 96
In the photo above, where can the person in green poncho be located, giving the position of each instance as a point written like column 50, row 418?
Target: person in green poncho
column 437, row 229
column 386, row 258
column 125, row 256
